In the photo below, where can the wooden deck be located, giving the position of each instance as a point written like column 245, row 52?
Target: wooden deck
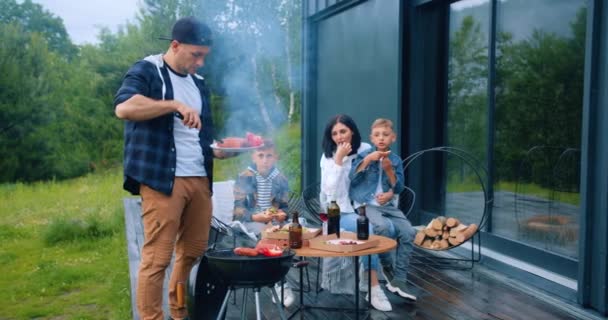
column 478, row 293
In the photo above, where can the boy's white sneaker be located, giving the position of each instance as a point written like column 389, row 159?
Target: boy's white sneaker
column 288, row 296
column 379, row 300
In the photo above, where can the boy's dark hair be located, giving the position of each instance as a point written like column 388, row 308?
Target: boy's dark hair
column 328, row 144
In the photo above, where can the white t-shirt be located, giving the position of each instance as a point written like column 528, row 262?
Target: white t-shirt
column 187, row 142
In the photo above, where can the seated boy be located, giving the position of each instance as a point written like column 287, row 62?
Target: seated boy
column 261, row 193
column 376, row 178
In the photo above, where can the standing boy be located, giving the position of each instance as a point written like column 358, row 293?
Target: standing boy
column 376, row 178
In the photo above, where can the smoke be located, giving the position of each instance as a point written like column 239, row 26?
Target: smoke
column 249, row 64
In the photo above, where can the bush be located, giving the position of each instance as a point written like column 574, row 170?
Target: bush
column 91, row 228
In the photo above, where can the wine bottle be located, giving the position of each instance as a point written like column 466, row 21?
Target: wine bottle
column 362, row 224
column 333, row 218
column 295, row 232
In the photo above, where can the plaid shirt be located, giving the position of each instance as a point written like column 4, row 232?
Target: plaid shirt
column 245, row 194
column 149, row 149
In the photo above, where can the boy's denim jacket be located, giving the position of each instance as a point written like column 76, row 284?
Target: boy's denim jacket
column 363, row 184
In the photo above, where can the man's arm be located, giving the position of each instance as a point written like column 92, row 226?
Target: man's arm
column 141, row 108
column 132, row 100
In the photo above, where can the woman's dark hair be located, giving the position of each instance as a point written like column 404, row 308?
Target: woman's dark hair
column 328, row 144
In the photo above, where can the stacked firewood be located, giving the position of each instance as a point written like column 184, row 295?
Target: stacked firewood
column 443, row 233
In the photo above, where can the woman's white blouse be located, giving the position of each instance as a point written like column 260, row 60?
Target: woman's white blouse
column 335, row 181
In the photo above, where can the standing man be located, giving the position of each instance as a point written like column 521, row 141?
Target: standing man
column 168, row 161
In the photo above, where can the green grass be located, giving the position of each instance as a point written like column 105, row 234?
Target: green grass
column 64, row 253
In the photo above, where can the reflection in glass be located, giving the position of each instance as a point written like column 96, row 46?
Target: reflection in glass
column 467, row 108
column 539, row 94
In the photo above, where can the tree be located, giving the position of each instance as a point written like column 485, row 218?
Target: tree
column 539, row 90
column 467, row 88
column 31, row 17
column 254, row 61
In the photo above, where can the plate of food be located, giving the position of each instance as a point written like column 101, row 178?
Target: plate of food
column 238, row 144
column 344, row 242
column 278, row 232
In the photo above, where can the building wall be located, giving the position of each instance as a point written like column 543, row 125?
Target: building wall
column 354, row 69
column 395, row 59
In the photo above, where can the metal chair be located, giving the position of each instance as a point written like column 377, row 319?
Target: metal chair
column 480, row 173
column 310, row 198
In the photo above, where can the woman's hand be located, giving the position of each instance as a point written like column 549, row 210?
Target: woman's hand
column 385, row 197
column 342, row 151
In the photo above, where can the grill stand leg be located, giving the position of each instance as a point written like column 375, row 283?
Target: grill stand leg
column 244, row 310
column 256, row 292
column 357, row 288
column 222, row 313
column 276, row 298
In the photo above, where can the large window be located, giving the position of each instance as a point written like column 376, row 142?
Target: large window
column 467, row 107
column 539, row 94
column 539, row 68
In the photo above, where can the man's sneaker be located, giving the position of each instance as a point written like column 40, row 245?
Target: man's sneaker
column 288, row 296
column 387, row 273
column 363, row 280
column 400, row 287
column 379, row 299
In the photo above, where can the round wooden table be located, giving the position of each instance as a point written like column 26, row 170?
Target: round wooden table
column 384, row 244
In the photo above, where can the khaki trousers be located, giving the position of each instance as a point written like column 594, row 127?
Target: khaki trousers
column 181, row 222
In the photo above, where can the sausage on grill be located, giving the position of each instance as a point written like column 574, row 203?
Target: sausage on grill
column 243, row 251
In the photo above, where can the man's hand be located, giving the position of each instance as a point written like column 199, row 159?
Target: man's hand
column 221, row 154
column 384, row 197
column 190, row 117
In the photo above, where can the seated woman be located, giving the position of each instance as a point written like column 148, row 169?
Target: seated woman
column 341, row 143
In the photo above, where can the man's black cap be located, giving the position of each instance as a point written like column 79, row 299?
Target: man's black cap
column 191, row 31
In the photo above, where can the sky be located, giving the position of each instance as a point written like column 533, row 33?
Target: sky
column 83, row 19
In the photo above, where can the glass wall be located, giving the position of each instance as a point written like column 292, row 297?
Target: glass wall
column 539, row 65
column 467, row 113
column 539, row 93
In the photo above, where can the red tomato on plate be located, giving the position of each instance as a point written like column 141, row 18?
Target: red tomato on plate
column 253, row 140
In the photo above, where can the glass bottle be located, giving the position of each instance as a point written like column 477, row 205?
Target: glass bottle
column 362, row 224
column 333, row 218
column 295, row 232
